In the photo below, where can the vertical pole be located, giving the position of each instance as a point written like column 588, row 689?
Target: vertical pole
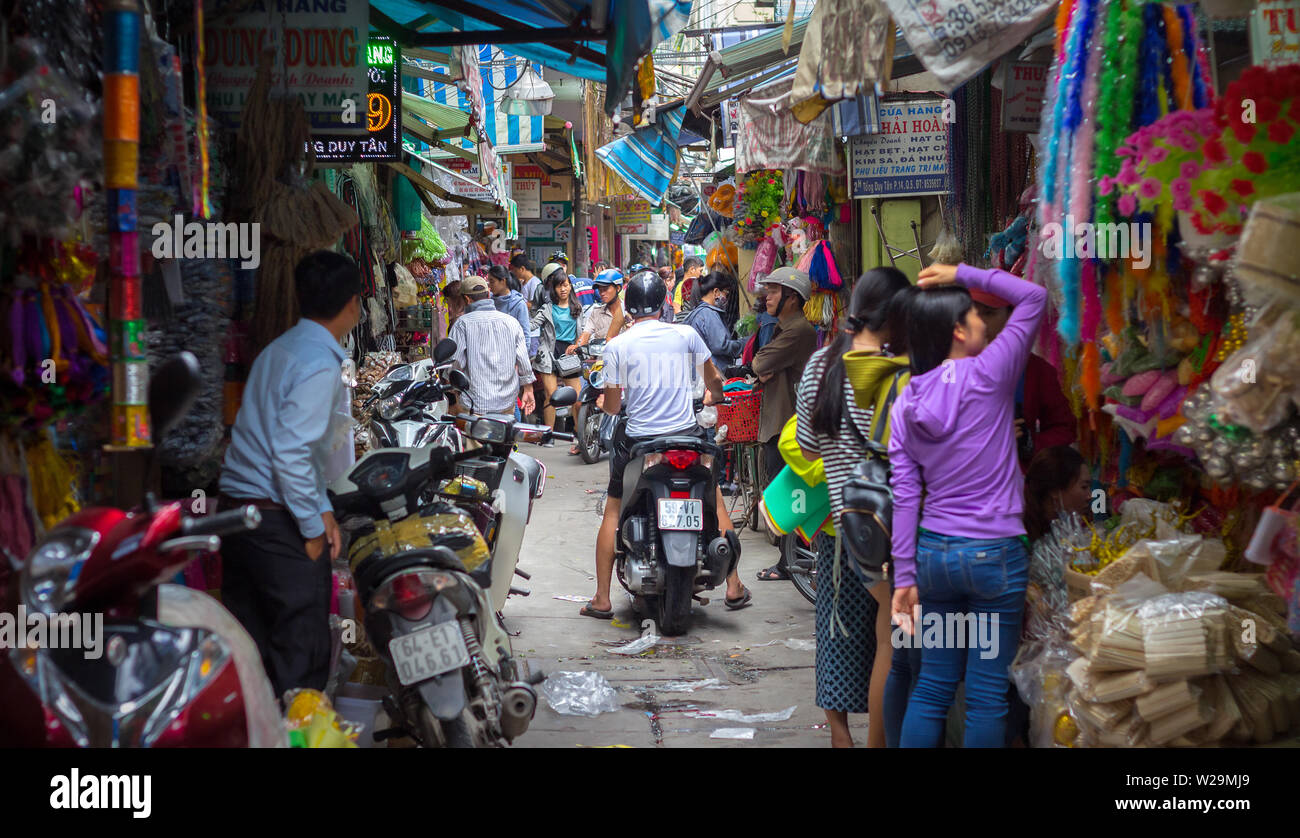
column 121, row 163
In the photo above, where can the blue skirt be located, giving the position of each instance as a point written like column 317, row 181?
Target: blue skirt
column 843, row 663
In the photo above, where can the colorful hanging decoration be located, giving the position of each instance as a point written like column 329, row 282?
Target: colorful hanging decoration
column 758, row 206
column 121, row 164
column 202, row 205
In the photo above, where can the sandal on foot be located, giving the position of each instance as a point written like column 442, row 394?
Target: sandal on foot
column 775, row 573
column 588, row 611
column 573, row 451
column 737, row 604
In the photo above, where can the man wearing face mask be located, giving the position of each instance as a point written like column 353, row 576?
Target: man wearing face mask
column 707, row 319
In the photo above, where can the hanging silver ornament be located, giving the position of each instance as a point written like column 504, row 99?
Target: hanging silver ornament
column 1258, row 480
column 1217, row 467
column 1242, row 461
column 1204, row 436
column 1185, row 436
column 1280, row 449
column 1291, row 433
column 1282, row 471
column 1281, row 485
column 1222, row 447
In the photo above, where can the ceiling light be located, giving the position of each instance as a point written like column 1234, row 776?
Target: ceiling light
column 529, row 96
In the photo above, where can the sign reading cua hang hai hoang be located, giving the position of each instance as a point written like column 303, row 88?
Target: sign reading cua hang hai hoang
column 320, row 57
column 382, row 113
column 908, row 156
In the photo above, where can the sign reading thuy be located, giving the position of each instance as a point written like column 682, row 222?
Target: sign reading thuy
column 908, row 156
column 320, row 48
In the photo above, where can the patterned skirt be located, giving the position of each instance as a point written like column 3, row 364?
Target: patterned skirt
column 843, row 663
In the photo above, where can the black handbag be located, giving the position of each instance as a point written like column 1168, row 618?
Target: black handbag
column 868, row 513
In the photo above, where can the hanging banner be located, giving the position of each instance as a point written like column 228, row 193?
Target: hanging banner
column 383, row 113
column 730, row 122
column 473, row 172
column 1022, row 96
column 321, row 58
column 1275, row 32
column 955, row 39
column 909, row 155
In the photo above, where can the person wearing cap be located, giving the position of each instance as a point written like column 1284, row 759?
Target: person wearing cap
column 1043, row 415
column 779, row 365
column 492, row 349
column 604, row 319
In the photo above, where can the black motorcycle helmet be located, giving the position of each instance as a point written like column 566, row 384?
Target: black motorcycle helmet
column 645, row 294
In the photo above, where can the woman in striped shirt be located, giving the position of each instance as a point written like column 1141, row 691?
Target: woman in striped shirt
column 853, row 648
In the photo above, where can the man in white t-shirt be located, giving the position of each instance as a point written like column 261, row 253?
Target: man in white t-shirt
column 652, row 367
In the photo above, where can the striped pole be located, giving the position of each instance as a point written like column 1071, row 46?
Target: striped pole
column 121, row 167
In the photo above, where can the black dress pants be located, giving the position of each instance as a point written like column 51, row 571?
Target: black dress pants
column 282, row 598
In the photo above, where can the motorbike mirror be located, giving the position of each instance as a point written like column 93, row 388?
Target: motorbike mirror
column 172, row 389
column 444, row 350
column 458, row 379
column 564, row 397
column 399, row 372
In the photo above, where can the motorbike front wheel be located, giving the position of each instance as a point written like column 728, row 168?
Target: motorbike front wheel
column 801, row 563
column 586, row 426
column 455, row 733
column 674, row 605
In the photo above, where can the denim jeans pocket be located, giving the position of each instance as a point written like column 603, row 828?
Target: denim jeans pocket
column 931, row 571
column 986, row 569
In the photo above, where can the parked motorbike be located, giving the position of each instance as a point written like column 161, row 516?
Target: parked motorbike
column 413, row 399
column 432, row 582
column 669, row 548
column 593, row 427
column 155, row 683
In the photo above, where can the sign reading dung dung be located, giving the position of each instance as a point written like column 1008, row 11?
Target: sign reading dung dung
column 320, row 49
column 909, row 155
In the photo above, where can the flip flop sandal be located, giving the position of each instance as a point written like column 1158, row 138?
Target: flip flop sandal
column 588, row 611
column 773, row 574
column 737, row 604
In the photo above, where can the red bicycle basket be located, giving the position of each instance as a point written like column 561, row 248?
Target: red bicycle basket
column 741, row 416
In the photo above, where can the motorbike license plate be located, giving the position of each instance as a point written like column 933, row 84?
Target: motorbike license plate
column 677, row 514
column 421, row 655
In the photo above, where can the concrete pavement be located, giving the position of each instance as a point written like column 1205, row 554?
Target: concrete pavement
column 761, row 657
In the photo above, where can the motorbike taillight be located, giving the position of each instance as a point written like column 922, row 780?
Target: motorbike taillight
column 411, row 594
column 681, row 460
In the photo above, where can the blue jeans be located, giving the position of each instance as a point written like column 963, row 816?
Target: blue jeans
column 974, row 590
column 904, row 669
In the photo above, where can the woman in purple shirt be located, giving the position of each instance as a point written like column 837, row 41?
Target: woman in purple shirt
column 963, row 559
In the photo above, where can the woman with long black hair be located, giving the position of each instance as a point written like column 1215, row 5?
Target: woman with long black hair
column 853, row 648
column 954, row 443
column 710, row 318
column 557, row 325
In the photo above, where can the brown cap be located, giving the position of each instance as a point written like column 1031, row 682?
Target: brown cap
column 473, row 285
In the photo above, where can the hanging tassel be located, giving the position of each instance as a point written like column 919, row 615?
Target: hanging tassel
column 1091, row 364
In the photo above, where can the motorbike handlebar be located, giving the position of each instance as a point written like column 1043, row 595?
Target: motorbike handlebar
column 230, row 522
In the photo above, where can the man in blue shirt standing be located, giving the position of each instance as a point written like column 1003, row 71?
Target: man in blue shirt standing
column 293, row 430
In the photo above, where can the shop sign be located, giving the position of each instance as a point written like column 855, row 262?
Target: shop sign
column 469, row 170
column 909, row 156
column 1275, row 32
column 564, row 233
column 677, row 237
column 557, row 188
column 631, row 215
column 730, row 122
column 552, row 211
column 320, row 58
column 383, row 112
column 540, row 254
column 527, row 193
column 593, row 245
column 539, row 231
column 955, row 39
column 655, row 230
column 1022, row 96
column 530, row 172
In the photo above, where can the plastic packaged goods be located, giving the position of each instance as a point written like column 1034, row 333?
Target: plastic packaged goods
column 437, row 523
column 579, row 694
column 1258, row 382
column 1185, row 635
column 314, row 723
column 1167, row 699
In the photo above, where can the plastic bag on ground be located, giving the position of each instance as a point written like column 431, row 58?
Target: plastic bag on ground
column 579, row 694
column 750, row 719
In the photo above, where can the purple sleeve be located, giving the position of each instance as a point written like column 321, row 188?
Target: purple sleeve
column 1003, row 360
column 905, row 480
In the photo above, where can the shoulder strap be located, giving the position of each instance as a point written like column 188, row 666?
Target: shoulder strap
column 881, row 420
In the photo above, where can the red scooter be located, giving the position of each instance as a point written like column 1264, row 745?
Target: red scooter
column 166, row 666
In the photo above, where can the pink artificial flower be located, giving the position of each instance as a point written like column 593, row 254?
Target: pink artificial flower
column 1150, row 188
column 1128, row 204
column 1157, row 154
column 1106, row 186
column 1181, row 186
column 1183, row 203
column 1128, row 175
column 1144, row 141
column 1125, row 151
column 1189, row 169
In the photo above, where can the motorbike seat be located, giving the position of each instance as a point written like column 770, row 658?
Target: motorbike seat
column 668, row 443
column 372, row 569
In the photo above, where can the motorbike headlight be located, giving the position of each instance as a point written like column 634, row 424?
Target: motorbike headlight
column 489, row 430
column 50, row 572
column 388, row 407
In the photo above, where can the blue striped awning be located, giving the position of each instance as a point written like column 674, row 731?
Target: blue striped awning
column 647, row 158
column 508, row 134
column 634, row 28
